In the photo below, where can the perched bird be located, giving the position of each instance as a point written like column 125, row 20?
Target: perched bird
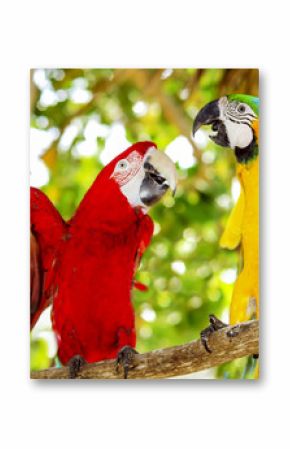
column 86, row 266
column 235, row 124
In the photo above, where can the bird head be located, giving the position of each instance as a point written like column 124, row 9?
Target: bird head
column 143, row 174
column 235, row 124
column 131, row 183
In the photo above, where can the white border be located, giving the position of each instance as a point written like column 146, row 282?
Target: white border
column 169, row 414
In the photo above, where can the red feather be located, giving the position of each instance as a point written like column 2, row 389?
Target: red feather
column 47, row 230
column 140, row 286
column 93, row 273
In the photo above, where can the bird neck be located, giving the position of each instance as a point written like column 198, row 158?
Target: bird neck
column 106, row 209
column 250, row 153
column 247, row 154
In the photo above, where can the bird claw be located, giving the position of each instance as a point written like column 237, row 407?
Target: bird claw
column 75, row 365
column 126, row 357
column 215, row 325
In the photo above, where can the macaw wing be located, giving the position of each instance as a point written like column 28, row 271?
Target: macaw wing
column 232, row 234
column 145, row 234
column 47, row 230
column 35, row 275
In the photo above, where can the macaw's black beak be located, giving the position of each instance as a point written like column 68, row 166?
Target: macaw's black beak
column 153, row 187
column 207, row 116
column 210, row 115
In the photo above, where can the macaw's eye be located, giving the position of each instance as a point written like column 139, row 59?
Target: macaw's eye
column 122, row 165
column 241, row 108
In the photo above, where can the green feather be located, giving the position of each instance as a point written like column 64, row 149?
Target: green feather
column 250, row 100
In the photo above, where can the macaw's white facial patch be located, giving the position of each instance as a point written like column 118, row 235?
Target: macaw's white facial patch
column 131, row 190
column 239, row 134
column 236, row 110
column 129, row 174
column 237, row 118
column 126, row 169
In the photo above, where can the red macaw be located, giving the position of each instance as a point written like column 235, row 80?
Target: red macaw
column 86, row 266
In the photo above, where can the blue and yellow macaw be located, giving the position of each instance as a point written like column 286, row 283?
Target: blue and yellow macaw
column 235, row 124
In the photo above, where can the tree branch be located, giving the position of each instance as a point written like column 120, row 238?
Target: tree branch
column 101, row 86
column 152, row 87
column 174, row 361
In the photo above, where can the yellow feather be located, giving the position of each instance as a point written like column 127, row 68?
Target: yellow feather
column 245, row 298
column 232, row 234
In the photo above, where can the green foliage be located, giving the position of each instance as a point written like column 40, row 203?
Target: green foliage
column 243, row 368
column 184, row 267
column 39, row 358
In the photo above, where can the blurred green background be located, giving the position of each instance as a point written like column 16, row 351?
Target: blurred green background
column 82, row 118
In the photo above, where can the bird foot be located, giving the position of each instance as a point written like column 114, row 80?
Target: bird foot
column 215, row 325
column 75, row 365
column 126, row 357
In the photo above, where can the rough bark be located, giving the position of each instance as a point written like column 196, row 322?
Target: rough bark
column 173, row 361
